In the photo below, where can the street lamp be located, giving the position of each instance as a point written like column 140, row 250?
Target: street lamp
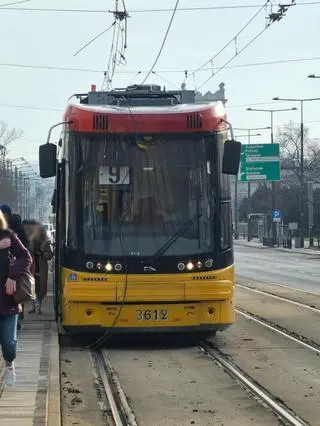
column 301, row 159
column 249, row 136
column 273, row 186
column 245, row 136
column 313, row 76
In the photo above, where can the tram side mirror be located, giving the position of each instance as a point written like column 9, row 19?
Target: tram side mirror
column 231, row 157
column 47, row 160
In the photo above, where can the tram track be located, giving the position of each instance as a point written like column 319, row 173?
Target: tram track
column 284, row 413
column 122, row 414
column 301, row 340
column 280, row 298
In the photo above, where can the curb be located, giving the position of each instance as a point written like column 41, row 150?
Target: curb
column 53, row 401
column 309, row 252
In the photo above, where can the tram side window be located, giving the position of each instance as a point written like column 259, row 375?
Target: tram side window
column 72, row 206
column 226, row 228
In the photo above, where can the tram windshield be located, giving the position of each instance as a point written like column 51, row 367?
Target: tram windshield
column 131, row 196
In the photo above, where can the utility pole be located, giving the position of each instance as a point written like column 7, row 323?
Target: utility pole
column 302, row 189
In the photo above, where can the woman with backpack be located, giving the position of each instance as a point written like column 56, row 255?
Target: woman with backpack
column 10, row 245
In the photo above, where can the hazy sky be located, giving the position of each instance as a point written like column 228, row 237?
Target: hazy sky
column 34, row 99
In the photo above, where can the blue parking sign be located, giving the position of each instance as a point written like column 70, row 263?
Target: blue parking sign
column 276, row 215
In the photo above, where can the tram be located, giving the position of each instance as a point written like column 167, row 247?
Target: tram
column 143, row 213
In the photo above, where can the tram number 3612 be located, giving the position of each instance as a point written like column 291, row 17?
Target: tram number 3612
column 152, row 315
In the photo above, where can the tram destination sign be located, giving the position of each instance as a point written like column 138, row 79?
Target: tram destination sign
column 260, row 162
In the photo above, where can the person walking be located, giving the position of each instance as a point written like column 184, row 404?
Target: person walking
column 15, row 224
column 42, row 254
column 9, row 309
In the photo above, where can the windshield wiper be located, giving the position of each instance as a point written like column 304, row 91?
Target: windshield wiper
column 174, row 237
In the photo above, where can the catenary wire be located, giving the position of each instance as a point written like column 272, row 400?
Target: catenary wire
column 164, row 71
column 15, row 2
column 232, row 57
column 163, row 42
column 237, row 52
column 184, row 9
column 94, row 39
column 234, row 37
column 40, row 108
column 117, row 51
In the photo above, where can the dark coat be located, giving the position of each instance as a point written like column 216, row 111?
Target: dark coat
column 20, row 266
column 42, row 253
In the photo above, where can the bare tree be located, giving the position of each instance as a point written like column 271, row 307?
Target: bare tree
column 289, row 138
column 8, row 183
column 7, row 135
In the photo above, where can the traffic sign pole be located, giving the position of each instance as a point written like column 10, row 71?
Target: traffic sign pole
column 273, row 193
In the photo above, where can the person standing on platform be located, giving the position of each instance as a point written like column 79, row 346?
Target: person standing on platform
column 9, row 309
column 15, row 224
column 42, row 254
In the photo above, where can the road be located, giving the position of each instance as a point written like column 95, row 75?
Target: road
column 273, row 266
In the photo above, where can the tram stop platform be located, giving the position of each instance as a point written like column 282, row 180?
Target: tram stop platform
column 35, row 398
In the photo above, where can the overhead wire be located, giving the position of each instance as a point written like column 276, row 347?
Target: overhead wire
column 232, row 40
column 40, row 108
column 164, row 71
column 182, row 9
column 273, row 17
column 117, row 52
column 94, row 39
column 107, row 74
column 163, row 42
column 232, row 58
column 30, row 107
column 15, row 2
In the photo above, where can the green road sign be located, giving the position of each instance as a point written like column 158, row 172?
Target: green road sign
column 260, row 162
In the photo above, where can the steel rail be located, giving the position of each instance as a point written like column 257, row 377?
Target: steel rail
column 275, row 296
column 120, row 409
column 247, row 382
column 313, row 347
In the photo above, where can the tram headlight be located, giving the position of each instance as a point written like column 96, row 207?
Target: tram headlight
column 208, row 263
column 199, row 264
column 108, row 267
column 181, row 266
column 89, row 265
column 190, row 266
column 118, row 267
column 99, row 266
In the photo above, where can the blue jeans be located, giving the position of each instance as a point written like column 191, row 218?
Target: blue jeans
column 8, row 336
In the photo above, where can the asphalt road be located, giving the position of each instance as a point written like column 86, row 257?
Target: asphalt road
column 273, row 266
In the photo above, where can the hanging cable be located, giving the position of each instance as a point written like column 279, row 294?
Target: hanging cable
column 234, row 38
column 166, row 71
column 163, row 79
column 94, row 39
column 15, row 2
column 272, row 18
column 163, row 42
column 118, row 45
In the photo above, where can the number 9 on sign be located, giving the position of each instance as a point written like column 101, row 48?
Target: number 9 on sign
column 112, row 175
